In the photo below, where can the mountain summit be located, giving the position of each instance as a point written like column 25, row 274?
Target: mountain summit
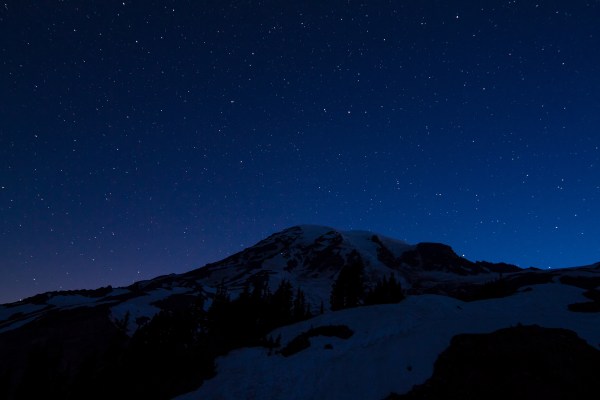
column 312, row 256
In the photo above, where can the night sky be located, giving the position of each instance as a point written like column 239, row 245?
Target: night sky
column 140, row 138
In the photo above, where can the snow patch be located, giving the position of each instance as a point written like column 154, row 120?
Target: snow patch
column 140, row 308
column 24, row 309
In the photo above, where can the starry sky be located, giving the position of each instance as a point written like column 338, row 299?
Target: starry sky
column 144, row 137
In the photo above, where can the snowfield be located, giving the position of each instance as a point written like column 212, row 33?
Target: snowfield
column 393, row 347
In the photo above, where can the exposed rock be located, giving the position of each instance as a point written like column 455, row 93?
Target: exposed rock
column 526, row 362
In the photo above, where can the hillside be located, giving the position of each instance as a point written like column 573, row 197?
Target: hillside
column 393, row 347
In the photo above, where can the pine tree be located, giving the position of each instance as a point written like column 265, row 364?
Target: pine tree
column 386, row 291
column 348, row 289
column 301, row 308
column 282, row 304
column 221, row 296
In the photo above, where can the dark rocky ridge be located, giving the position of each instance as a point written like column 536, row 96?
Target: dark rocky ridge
column 524, row 362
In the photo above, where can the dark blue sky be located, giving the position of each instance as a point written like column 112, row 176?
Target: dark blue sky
column 140, row 138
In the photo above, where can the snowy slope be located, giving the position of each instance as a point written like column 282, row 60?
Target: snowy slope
column 393, row 347
column 308, row 256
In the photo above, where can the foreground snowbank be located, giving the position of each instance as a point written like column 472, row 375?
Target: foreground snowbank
column 393, row 347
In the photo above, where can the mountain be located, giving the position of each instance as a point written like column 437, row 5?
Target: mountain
column 280, row 320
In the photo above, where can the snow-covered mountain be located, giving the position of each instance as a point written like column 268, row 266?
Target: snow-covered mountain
column 81, row 339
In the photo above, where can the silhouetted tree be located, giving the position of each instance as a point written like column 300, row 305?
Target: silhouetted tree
column 301, row 309
column 167, row 355
column 348, row 289
column 386, row 290
column 281, row 304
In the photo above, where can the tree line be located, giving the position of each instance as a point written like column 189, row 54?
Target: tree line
column 349, row 289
